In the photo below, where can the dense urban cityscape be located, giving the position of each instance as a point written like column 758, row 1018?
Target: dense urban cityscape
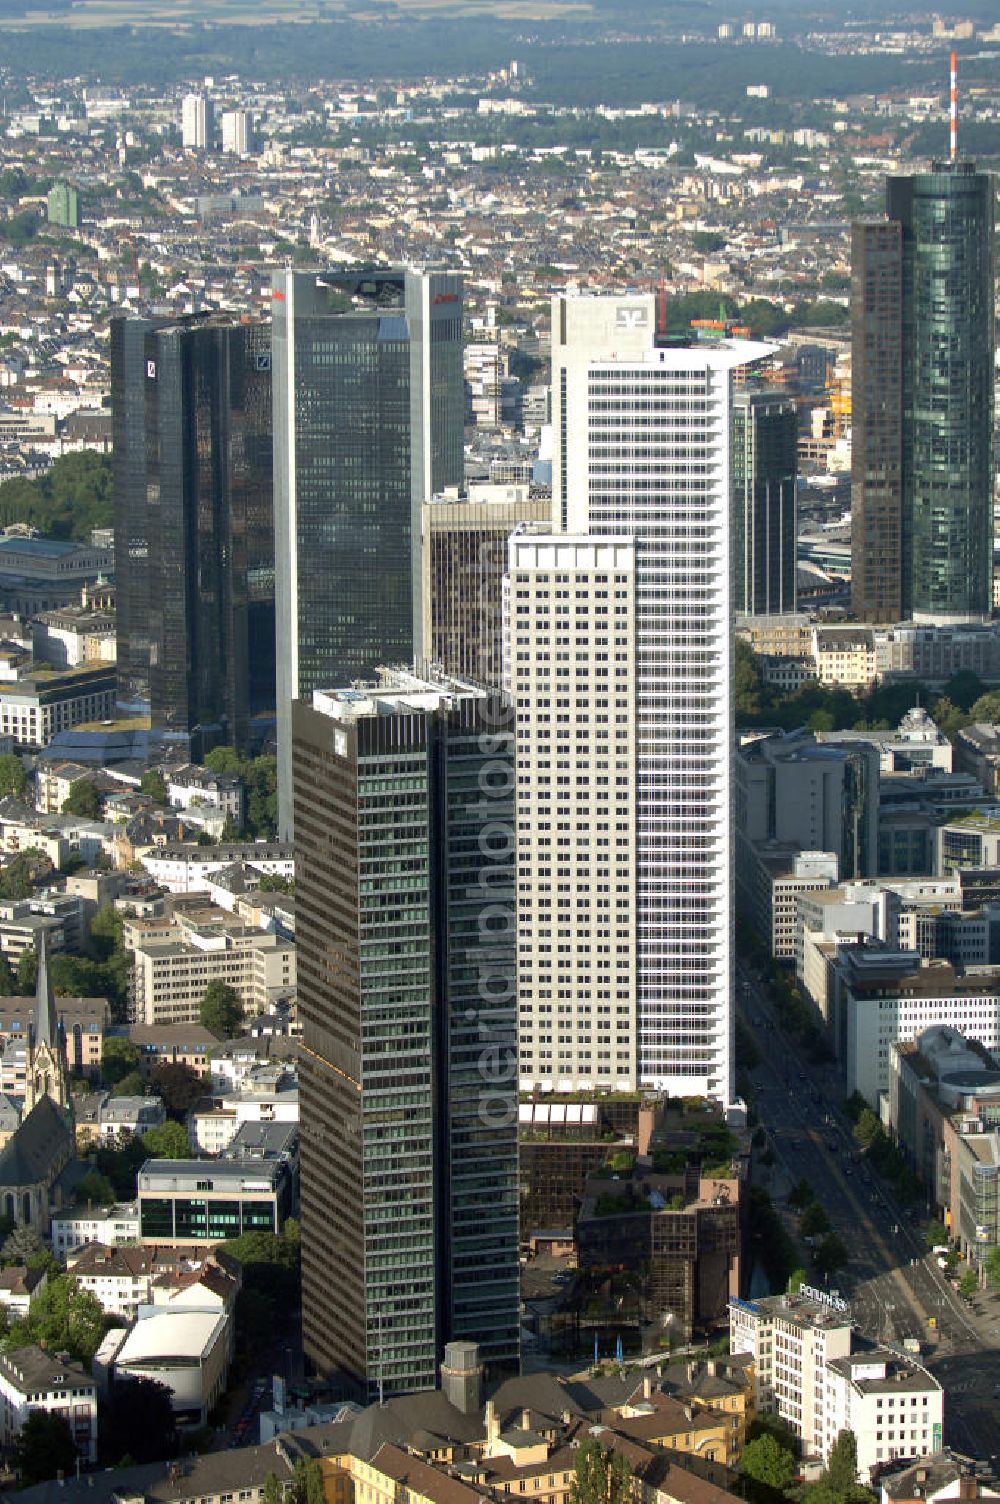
column 499, row 753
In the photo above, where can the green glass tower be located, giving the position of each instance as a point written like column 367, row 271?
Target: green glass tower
column 946, row 217
column 764, row 464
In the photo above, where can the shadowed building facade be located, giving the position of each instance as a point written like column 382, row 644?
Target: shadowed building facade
column 194, row 523
column 368, row 424
column 408, row 1069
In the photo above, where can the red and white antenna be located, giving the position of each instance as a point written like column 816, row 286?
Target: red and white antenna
column 954, row 105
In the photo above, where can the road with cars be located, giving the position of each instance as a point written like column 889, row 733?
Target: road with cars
column 894, row 1287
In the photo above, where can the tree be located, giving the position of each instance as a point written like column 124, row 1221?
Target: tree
column 8, row 984
column 223, row 760
column 130, row 1085
column 600, row 1476
column 767, row 1462
column 18, row 876
column 273, row 1493
column 935, row 1234
column 138, row 1420
column 813, row 1221
column 968, row 1284
column 44, row 1447
column 801, row 1195
column 179, row 1086
column 830, row 1255
column 21, row 1247
column 120, row 1056
column 13, row 778
column 167, row 1140
column 992, row 1267
column 841, row 1472
column 867, row 1129
column 106, row 930
column 307, row 1482
column 94, row 1187
column 221, row 1009
column 154, row 784
column 796, row 1280
column 83, row 800
column 62, row 1318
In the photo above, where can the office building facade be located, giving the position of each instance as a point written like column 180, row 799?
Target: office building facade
column 576, row 891
column 197, row 122
column 408, row 1074
column 368, row 424
column 194, row 524
column 463, row 563
column 879, row 552
column 923, row 335
column 765, row 514
column 642, row 450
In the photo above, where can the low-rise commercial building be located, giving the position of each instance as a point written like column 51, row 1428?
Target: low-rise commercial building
column 170, row 974
column 38, row 704
column 188, row 1351
column 880, row 995
column 208, row 1201
column 893, row 1406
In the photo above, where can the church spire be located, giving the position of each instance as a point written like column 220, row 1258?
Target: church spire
column 46, row 1024
column 46, row 1074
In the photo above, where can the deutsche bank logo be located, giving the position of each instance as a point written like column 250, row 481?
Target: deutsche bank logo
column 629, row 316
column 151, row 369
column 263, row 362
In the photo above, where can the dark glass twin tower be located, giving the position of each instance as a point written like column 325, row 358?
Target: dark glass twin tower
column 194, row 535
column 922, row 402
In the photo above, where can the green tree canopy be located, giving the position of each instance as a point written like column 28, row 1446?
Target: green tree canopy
column 167, row 1140
column 83, row 800
column 120, row 1056
column 44, row 1447
column 154, row 784
column 22, row 1246
column 13, row 778
column 935, row 1233
column 221, row 1009
column 62, row 1318
column 813, row 1221
column 68, row 501
column 765, row 1461
column 831, row 1255
column 129, row 1085
column 94, row 1187
column 600, row 1476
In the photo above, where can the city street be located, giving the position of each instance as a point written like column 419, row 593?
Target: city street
column 893, row 1286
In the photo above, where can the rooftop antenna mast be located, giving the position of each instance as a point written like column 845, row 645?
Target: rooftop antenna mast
column 954, row 105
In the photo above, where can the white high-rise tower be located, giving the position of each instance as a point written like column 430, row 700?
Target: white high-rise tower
column 642, row 453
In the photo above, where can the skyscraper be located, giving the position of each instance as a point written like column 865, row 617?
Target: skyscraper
column 576, row 890
column 643, row 434
column 368, row 424
column 464, row 560
column 194, row 523
column 764, row 468
column 879, row 553
column 197, row 122
column 408, row 1075
column 936, row 246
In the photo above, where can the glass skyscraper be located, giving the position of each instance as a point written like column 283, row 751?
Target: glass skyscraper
column 408, row 1074
column 942, row 238
column 764, row 469
column 194, row 526
column 368, row 424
